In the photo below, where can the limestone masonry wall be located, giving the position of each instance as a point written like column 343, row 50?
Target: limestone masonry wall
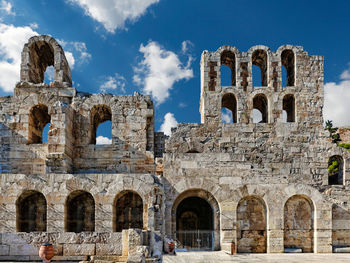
column 268, row 185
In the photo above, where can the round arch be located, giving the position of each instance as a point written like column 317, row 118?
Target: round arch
column 31, row 211
column 39, row 53
column 203, row 197
column 251, row 225
column 79, row 212
column 128, row 211
column 299, row 223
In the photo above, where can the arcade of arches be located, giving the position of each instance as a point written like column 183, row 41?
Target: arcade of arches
column 196, row 215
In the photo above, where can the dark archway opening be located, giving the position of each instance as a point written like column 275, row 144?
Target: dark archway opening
column 80, row 212
column 194, row 224
column 287, row 58
column 38, row 118
column 31, row 212
column 259, row 59
column 228, row 68
column 260, row 104
column 41, row 57
column 128, row 212
column 335, row 170
column 289, row 108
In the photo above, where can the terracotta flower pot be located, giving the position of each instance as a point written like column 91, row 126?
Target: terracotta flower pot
column 171, row 247
column 46, row 252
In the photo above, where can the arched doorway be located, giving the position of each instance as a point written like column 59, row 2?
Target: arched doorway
column 251, row 225
column 196, row 221
column 128, row 211
column 299, row 223
column 31, row 212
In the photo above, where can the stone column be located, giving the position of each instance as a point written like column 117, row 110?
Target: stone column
column 323, row 230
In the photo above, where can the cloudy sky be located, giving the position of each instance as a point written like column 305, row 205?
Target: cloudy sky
column 154, row 46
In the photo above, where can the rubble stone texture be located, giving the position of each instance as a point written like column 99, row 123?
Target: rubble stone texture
column 266, row 184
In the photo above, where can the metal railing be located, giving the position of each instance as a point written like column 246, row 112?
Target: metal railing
column 195, row 239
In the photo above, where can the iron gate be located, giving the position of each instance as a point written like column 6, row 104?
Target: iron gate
column 195, row 239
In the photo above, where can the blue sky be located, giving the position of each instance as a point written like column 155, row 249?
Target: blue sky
column 119, row 46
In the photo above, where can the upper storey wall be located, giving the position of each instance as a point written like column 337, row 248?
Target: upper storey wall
column 73, row 119
column 303, row 90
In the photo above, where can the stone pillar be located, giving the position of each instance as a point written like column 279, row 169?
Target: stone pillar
column 59, row 159
column 275, row 241
column 228, row 225
column 323, row 230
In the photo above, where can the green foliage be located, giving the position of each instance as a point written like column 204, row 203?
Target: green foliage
column 332, row 132
column 333, row 167
column 345, row 146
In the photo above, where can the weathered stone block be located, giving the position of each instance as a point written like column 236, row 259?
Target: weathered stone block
column 109, row 249
column 78, row 249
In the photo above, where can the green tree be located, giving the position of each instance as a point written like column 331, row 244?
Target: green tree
column 332, row 132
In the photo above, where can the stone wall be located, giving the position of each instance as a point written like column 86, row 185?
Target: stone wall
column 273, row 161
column 267, row 184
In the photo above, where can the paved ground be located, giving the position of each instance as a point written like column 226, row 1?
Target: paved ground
column 222, row 257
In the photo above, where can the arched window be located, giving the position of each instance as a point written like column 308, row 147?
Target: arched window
column 229, row 108
column 99, row 115
column 38, row 119
column 41, row 56
column 260, row 109
column 128, row 211
column 259, row 59
column 80, row 212
column 228, row 68
column 335, row 170
column 289, row 108
column 288, row 76
column 31, row 212
column 299, row 223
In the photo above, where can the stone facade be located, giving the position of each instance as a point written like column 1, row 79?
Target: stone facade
column 264, row 186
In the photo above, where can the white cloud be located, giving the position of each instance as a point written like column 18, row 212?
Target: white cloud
column 337, row 97
column 159, row 70
column 186, row 45
column 103, row 140
column 113, row 14
column 12, row 40
column 70, row 59
column 34, row 25
column 182, row 105
column 226, row 115
column 6, row 7
column 76, row 52
column 116, row 82
column 169, row 122
column 49, row 74
column 257, row 116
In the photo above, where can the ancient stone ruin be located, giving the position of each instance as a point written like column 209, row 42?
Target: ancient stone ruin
column 263, row 185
